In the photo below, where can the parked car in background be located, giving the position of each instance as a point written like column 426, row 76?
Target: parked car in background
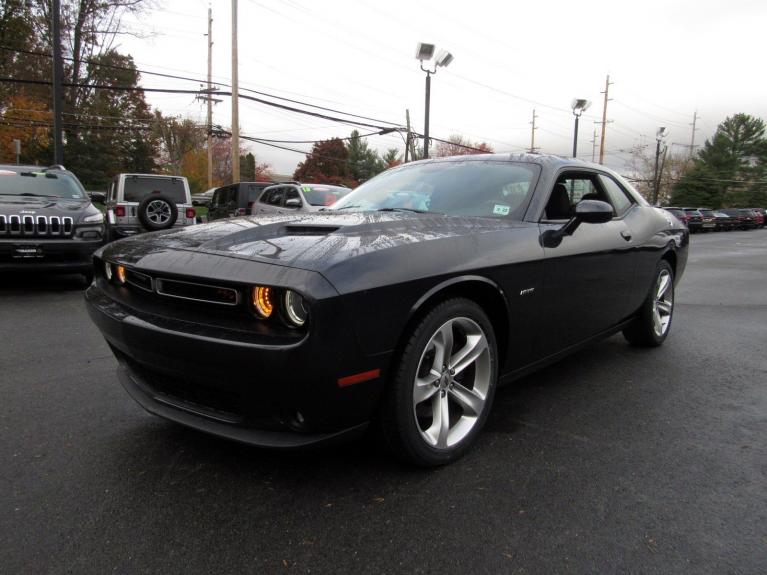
column 708, row 220
column 694, row 219
column 758, row 217
column 745, row 219
column 291, row 329
column 146, row 203
column 295, row 197
column 204, row 198
column 235, row 199
column 679, row 213
column 47, row 221
column 724, row 223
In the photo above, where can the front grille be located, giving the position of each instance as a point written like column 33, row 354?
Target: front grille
column 28, row 226
column 198, row 292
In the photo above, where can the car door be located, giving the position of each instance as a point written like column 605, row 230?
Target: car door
column 214, row 208
column 589, row 276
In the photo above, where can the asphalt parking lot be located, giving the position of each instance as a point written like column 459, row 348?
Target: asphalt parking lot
column 616, row 460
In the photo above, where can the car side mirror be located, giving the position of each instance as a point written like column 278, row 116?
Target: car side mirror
column 293, row 203
column 593, row 212
column 586, row 211
column 98, row 197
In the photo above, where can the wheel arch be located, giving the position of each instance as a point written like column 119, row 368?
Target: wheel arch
column 479, row 289
column 670, row 256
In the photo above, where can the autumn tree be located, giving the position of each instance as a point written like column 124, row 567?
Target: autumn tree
column 327, row 163
column 25, row 119
column 457, row 145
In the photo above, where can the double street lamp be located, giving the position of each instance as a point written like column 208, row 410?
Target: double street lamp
column 579, row 106
column 426, row 52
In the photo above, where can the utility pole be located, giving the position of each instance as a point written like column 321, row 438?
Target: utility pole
column 210, row 97
column 58, row 74
column 604, row 120
column 532, row 134
column 407, row 141
column 692, row 139
column 235, row 101
column 594, row 146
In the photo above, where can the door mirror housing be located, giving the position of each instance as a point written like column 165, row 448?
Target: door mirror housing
column 98, row 197
column 593, row 212
column 293, row 203
column 586, row 211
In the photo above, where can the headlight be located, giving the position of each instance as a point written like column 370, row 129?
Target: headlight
column 120, row 271
column 108, row 271
column 262, row 301
column 295, row 308
column 93, row 219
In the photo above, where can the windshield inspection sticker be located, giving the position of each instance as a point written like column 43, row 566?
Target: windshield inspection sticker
column 501, row 210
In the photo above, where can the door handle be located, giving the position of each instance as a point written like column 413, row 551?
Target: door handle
column 626, row 235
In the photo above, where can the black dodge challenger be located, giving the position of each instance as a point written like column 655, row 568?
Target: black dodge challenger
column 404, row 305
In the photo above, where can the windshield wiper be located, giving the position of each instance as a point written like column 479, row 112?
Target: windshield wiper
column 36, row 195
column 344, row 208
column 404, row 210
column 38, row 174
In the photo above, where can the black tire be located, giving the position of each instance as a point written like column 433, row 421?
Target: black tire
column 471, row 382
column 644, row 330
column 157, row 212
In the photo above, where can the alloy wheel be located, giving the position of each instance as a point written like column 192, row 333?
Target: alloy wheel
column 158, row 212
column 452, row 382
column 663, row 306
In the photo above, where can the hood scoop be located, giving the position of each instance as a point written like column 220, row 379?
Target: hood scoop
column 307, row 230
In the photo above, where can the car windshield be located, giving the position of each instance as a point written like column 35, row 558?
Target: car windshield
column 138, row 187
column 489, row 188
column 324, row 195
column 38, row 183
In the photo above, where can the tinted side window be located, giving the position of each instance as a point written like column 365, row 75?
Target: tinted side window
column 272, row 197
column 292, row 194
column 618, row 197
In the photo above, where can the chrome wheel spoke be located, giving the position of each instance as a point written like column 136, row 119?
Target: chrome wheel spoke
column 443, row 343
column 471, row 401
column 442, row 419
column 664, row 282
column 425, row 387
column 475, row 346
column 664, row 307
column 657, row 324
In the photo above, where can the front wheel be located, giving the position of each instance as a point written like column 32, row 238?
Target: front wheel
column 653, row 323
column 443, row 385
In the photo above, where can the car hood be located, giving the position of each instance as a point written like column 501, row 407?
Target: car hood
column 41, row 205
column 321, row 242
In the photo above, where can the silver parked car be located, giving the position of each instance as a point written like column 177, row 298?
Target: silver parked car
column 147, row 203
column 294, row 197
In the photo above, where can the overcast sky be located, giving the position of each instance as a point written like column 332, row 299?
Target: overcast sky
column 666, row 58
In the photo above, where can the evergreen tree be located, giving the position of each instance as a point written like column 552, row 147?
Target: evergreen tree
column 730, row 169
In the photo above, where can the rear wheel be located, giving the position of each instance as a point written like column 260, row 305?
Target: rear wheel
column 653, row 323
column 443, row 385
column 157, row 212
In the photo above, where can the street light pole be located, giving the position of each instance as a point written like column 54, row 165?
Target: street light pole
column 425, row 52
column 426, row 114
column 579, row 106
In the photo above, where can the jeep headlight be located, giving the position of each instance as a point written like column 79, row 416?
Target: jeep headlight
column 93, row 219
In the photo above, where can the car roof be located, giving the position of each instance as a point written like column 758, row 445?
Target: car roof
column 29, row 167
column 168, row 176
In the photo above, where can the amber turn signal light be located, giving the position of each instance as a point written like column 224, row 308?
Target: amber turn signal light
column 262, row 301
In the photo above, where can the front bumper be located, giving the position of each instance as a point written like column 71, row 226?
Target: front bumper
column 72, row 255
column 276, row 396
